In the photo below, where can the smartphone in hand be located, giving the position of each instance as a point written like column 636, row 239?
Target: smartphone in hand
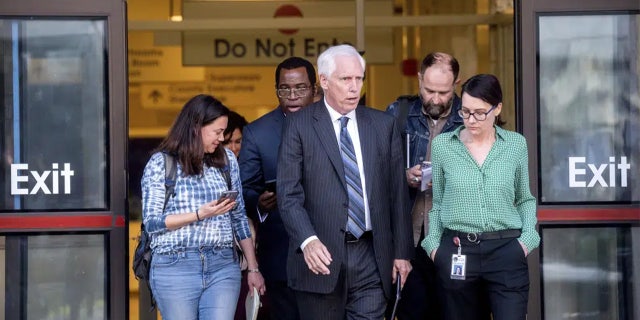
column 230, row 194
column 270, row 185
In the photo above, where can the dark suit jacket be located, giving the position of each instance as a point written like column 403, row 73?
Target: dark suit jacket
column 258, row 161
column 312, row 193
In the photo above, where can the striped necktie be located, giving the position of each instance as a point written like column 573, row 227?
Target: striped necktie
column 356, row 223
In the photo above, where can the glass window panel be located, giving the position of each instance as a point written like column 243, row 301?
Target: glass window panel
column 589, row 108
column 54, row 141
column 586, row 273
column 73, row 283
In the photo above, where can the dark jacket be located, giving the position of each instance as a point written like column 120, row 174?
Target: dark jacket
column 313, row 200
column 417, row 129
column 258, row 162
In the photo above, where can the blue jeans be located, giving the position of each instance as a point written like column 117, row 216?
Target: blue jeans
column 196, row 284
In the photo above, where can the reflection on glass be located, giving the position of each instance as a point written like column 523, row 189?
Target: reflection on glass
column 584, row 273
column 589, row 108
column 66, row 277
column 54, row 148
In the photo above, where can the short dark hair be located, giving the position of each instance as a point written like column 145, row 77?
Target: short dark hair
column 184, row 140
column 236, row 121
column 441, row 57
column 293, row 63
column 485, row 87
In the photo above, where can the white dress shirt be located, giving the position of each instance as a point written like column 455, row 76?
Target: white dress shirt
column 352, row 128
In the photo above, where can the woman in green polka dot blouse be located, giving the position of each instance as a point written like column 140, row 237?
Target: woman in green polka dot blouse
column 482, row 224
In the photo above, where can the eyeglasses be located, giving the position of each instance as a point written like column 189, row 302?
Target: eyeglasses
column 480, row 116
column 298, row 92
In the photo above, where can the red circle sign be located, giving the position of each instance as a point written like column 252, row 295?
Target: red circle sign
column 287, row 10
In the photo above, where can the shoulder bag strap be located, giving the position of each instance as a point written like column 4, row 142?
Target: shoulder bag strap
column 226, row 171
column 238, row 255
column 404, row 104
column 170, row 171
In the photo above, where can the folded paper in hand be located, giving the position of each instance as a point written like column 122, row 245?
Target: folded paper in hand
column 426, row 175
column 252, row 304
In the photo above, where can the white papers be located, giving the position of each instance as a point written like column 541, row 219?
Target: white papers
column 252, row 304
column 426, row 175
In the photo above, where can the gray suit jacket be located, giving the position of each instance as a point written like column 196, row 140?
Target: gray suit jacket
column 312, row 193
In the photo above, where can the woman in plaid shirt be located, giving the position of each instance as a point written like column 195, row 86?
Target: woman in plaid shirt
column 194, row 274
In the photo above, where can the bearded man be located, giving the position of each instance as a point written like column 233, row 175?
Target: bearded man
column 422, row 118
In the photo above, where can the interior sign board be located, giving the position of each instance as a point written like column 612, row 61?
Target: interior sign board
column 269, row 47
column 169, row 95
column 149, row 63
column 235, row 86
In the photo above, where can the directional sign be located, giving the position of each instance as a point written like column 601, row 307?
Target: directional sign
column 169, row 96
column 150, row 63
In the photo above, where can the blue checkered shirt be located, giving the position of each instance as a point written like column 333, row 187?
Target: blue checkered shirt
column 190, row 193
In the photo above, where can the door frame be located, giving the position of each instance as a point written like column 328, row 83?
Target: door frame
column 114, row 220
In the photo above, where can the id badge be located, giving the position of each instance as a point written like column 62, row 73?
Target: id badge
column 458, row 266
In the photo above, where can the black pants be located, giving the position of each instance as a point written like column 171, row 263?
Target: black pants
column 419, row 299
column 282, row 301
column 358, row 294
column 495, row 269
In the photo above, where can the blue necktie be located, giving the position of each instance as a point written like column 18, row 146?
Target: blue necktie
column 356, row 223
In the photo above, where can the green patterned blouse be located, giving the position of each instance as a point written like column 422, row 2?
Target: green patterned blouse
column 491, row 197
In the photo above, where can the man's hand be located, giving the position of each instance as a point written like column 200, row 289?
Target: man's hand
column 414, row 176
column 317, row 257
column 267, row 201
column 402, row 266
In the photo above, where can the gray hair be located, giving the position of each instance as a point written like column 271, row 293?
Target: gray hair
column 327, row 59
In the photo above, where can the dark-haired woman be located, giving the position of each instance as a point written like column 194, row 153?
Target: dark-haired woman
column 194, row 272
column 233, row 133
column 483, row 220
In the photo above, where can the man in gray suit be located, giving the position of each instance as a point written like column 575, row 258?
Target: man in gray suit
column 343, row 198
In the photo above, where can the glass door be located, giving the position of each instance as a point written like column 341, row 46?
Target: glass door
column 63, row 243
column 579, row 101
column 55, row 145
